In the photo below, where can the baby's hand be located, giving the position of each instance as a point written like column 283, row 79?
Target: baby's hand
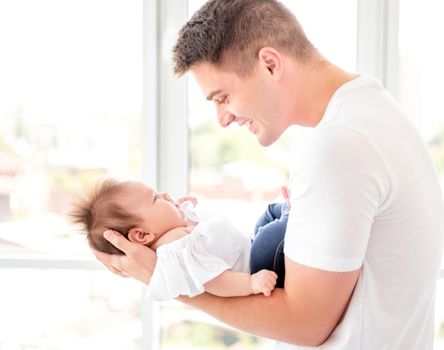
column 286, row 195
column 263, row 282
column 193, row 200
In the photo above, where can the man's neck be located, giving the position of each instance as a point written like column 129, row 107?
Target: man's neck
column 332, row 79
column 315, row 84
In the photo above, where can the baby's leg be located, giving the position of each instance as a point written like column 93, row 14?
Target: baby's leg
column 274, row 211
column 267, row 250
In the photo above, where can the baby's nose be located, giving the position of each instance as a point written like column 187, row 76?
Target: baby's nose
column 166, row 196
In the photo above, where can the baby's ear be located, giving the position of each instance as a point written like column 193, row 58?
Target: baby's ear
column 139, row 235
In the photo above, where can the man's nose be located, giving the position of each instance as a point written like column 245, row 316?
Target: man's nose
column 224, row 117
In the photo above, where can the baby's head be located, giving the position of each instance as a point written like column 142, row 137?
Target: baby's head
column 131, row 208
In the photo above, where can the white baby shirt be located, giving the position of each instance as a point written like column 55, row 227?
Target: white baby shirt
column 185, row 265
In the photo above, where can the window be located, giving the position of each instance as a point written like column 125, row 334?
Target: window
column 228, row 167
column 420, row 92
column 70, row 92
column 230, row 173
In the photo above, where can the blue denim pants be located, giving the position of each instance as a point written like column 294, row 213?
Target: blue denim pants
column 267, row 249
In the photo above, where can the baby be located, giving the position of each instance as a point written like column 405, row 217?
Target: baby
column 193, row 256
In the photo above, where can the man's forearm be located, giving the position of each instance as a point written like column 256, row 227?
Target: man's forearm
column 305, row 312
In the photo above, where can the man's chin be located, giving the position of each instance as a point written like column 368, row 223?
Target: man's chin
column 265, row 142
column 267, row 139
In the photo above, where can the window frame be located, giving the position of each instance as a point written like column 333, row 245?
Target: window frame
column 377, row 41
column 164, row 113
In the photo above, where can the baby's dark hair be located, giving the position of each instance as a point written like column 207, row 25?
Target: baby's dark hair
column 99, row 210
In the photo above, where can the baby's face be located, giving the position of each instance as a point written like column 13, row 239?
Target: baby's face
column 157, row 210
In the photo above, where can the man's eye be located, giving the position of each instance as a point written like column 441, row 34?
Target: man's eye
column 223, row 99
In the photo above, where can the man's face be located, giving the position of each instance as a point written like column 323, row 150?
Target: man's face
column 251, row 101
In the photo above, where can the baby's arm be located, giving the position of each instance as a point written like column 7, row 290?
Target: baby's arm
column 232, row 284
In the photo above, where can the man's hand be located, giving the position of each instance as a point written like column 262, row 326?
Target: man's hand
column 263, row 282
column 138, row 262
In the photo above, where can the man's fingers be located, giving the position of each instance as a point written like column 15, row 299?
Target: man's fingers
column 110, row 261
column 116, row 271
column 117, row 240
column 102, row 257
column 285, row 192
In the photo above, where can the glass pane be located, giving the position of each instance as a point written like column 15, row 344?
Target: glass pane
column 421, row 69
column 69, row 310
column 420, row 92
column 70, row 92
column 187, row 328
column 71, row 96
column 439, row 317
column 231, row 174
column 332, row 29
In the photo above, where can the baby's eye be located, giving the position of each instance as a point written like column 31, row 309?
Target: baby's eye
column 156, row 196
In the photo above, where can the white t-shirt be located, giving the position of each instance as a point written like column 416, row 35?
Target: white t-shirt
column 364, row 192
column 185, row 265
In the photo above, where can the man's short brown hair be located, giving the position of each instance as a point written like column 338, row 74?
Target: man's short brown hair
column 98, row 210
column 230, row 33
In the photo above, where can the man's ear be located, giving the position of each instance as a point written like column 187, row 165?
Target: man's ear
column 140, row 235
column 272, row 60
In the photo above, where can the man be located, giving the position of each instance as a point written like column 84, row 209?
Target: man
column 364, row 237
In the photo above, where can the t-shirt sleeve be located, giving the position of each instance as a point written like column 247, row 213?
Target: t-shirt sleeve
column 336, row 189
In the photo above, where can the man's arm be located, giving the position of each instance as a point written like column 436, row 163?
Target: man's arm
column 304, row 312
